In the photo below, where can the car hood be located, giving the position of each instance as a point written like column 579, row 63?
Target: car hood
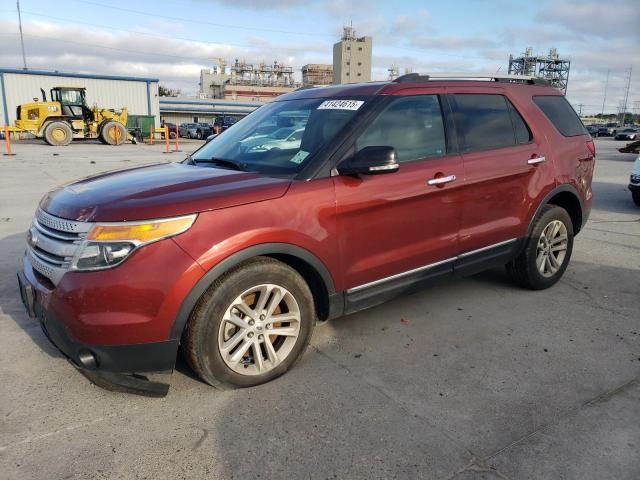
column 157, row 191
column 636, row 167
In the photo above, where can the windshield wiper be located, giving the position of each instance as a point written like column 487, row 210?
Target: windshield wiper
column 223, row 162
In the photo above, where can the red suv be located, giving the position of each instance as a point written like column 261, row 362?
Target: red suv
column 237, row 252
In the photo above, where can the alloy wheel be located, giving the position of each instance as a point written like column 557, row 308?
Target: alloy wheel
column 259, row 329
column 552, row 248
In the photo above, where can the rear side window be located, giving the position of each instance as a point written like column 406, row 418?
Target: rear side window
column 561, row 114
column 486, row 121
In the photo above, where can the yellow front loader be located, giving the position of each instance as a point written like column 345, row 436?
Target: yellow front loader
column 67, row 116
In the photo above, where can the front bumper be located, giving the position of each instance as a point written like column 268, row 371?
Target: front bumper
column 635, row 188
column 115, row 367
column 114, row 325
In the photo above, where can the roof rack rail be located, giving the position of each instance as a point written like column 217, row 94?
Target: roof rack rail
column 495, row 77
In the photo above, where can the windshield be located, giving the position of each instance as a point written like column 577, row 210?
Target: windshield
column 281, row 136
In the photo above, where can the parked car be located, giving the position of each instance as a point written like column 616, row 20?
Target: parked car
column 173, row 129
column 634, row 182
column 223, row 122
column 206, row 129
column 627, row 134
column 593, row 130
column 235, row 255
column 190, row 130
column 608, row 130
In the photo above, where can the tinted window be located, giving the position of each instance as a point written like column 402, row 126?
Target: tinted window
column 484, row 121
column 561, row 114
column 412, row 125
column 523, row 134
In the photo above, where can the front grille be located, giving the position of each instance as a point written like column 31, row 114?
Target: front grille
column 635, row 178
column 53, row 242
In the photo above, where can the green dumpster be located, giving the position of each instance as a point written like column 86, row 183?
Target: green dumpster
column 140, row 124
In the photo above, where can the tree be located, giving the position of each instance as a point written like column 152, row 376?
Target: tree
column 168, row 92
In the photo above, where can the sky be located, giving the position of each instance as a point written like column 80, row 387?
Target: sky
column 173, row 40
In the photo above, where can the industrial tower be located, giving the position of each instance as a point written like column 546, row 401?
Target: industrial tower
column 550, row 67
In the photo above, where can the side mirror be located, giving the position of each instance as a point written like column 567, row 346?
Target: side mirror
column 371, row 161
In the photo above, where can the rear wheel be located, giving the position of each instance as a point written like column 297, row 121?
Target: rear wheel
column 251, row 326
column 113, row 133
column 58, row 134
column 547, row 251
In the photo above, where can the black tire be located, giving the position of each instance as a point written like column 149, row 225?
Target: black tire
column 201, row 335
column 636, row 198
column 58, row 134
column 199, row 135
column 172, row 135
column 113, row 133
column 523, row 270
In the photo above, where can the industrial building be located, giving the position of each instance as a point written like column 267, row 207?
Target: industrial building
column 244, row 81
column 186, row 110
column 317, row 74
column 139, row 95
column 352, row 58
column 550, row 67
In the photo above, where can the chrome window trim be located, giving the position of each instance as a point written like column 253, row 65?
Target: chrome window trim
column 427, row 267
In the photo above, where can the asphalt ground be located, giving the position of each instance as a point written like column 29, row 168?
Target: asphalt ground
column 470, row 379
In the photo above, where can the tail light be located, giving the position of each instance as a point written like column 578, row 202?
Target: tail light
column 592, row 147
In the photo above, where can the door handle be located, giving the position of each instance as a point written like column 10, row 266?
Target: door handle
column 441, row 180
column 533, row 161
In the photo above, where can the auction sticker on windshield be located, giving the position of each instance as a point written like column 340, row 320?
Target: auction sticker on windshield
column 341, row 105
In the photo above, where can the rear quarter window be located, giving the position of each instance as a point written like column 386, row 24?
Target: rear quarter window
column 561, row 114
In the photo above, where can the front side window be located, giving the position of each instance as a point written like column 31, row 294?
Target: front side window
column 281, row 136
column 412, row 125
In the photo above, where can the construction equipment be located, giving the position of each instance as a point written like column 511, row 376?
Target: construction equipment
column 66, row 116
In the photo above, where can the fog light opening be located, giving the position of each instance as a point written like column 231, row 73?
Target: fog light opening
column 87, row 359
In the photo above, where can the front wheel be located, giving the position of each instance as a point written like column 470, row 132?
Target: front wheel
column 251, row 325
column 113, row 133
column 547, row 251
column 636, row 198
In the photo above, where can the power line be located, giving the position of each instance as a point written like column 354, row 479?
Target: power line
column 135, row 32
column 137, row 52
column 200, row 22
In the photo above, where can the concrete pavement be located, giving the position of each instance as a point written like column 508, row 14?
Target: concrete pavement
column 470, row 379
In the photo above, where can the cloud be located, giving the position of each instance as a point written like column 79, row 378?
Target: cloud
column 176, row 62
column 610, row 20
column 260, row 4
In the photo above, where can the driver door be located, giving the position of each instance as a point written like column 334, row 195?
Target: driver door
column 399, row 229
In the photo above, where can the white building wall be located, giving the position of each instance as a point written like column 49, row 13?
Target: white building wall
column 140, row 96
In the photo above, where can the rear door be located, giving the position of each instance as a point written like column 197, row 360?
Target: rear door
column 400, row 227
column 505, row 168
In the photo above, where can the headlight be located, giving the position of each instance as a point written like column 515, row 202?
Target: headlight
column 109, row 244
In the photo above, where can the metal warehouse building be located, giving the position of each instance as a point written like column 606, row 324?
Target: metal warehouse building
column 139, row 95
column 186, row 110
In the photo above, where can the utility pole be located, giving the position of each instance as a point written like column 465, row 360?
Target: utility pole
column 580, row 109
column 626, row 95
column 24, row 56
column 606, row 85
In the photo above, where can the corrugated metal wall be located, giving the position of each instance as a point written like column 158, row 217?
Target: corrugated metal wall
column 179, row 118
column 22, row 88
